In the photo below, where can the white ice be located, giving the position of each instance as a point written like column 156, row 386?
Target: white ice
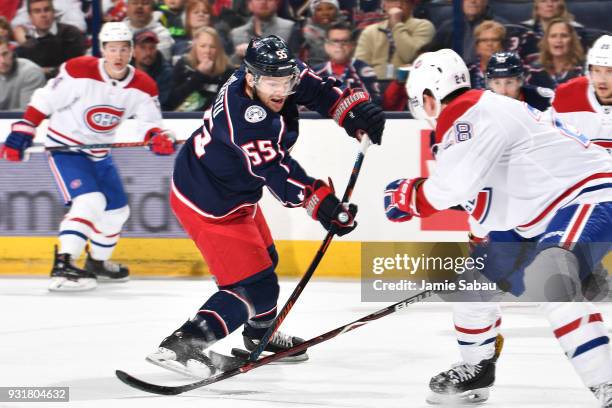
column 79, row 340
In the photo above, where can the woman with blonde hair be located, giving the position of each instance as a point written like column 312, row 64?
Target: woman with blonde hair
column 544, row 11
column 199, row 74
column 488, row 39
column 561, row 56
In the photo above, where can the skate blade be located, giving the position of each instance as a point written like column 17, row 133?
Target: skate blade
column 59, row 284
column 244, row 355
column 193, row 369
column 471, row 397
column 106, row 279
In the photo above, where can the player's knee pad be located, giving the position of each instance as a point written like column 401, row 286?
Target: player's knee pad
column 553, row 276
column 112, row 221
column 88, row 206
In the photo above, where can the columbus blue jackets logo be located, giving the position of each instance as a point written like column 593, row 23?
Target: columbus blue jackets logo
column 103, row 118
column 255, row 114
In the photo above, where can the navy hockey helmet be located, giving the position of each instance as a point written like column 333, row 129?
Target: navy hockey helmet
column 270, row 56
column 504, row 65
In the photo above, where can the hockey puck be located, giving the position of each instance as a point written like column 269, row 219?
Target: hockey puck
column 343, row 217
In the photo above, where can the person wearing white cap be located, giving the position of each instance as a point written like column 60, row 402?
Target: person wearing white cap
column 323, row 13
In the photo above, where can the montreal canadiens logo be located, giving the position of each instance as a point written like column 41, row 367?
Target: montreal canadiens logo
column 103, row 118
column 255, row 114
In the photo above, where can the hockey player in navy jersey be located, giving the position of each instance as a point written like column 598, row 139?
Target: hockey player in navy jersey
column 243, row 146
column 506, row 76
column 85, row 103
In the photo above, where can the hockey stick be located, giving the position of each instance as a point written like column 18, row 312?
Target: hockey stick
column 39, row 148
column 250, row 365
column 363, row 147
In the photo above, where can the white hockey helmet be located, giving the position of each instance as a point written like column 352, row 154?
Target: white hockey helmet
column 115, row 31
column 441, row 72
column 601, row 52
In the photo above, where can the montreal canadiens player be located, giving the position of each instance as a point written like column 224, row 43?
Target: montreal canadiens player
column 586, row 102
column 243, row 146
column 506, row 75
column 85, row 103
column 532, row 174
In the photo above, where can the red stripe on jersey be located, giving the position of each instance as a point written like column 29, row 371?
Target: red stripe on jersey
column 84, row 67
column 144, row 83
column 563, row 330
column 563, row 196
column 455, row 110
column 33, row 115
column 606, row 144
column 578, row 225
column 64, row 136
column 572, row 96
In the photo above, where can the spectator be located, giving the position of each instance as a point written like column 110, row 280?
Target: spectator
column 395, row 41
column 19, row 78
column 543, row 12
column 148, row 59
column 173, row 17
column 198, row 76
column 489, row 36
column 6, row 33
column 49, row 43
column 324, row 13
column 474, row 13
column 8, row 8
column 140, row 16
column 561, row 56
column 114, row 10
column 354, row 73
column 264, row 22
column 66, row 12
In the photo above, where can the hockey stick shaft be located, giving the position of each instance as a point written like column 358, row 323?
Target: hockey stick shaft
column 363, row 147
column 250, row 365
column 42, row 148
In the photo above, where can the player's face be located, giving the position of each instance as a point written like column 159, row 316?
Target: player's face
column 42, row 15
column 199, row 17
column 117, row 55
column 559, row 39
column 6, row 59
column 547, row 9
column 506, row 86
column 273, row 91
column 601, row 78
column 325, row 13
column 338, row 46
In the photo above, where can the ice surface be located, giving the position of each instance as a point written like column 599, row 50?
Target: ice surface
column 80, row 339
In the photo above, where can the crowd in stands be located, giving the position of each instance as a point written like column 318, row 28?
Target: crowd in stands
column 190, row 47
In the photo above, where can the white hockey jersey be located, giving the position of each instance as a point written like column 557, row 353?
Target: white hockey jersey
column 85, row 105
column 520, row 164
column 575, row 103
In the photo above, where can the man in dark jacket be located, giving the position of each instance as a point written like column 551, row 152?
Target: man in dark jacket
column 148, row 59
column 49, row 43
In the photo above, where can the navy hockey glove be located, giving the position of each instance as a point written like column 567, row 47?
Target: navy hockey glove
column 355, row 112
column 160, row 142
column 322, row 205
column 400, row 199
column 20, row 138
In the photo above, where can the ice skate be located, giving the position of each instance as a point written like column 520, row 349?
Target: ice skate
column 465, row 383
column 603, row 393
column 279, row 342
column 183, row 353
column 107, row 271
column 67, row 277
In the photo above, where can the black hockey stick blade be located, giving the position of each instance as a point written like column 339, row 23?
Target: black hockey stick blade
column 226, row 363
column 248, row 366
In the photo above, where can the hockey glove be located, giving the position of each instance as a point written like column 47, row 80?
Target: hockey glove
column 20, row 138
column 160, row 142
column 355, row 112
column 400, row 199
column 322, row 205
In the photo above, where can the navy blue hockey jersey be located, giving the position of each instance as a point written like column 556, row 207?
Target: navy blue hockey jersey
column 244, row 146
column 537, row 96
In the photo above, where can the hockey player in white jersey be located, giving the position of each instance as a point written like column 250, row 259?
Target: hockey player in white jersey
column 531, row 174
column 85, row 103
column 586, row 102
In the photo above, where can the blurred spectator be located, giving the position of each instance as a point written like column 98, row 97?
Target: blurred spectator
column 341, row 65
column 395, row 97
column 489, row 36
column 148, row 59
column 264, row 22
column 394, row 42
column 324, row 13
column 66, row 12
column 561, row 56
column 198, row 76
column 19, row 78
column 173, row 17
column 140, row 16
column 474, row 13
column 114, row 10
column 48, row 43
column 8, row 8
column 6, row 33
column 543, row 12
column 364, row 12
